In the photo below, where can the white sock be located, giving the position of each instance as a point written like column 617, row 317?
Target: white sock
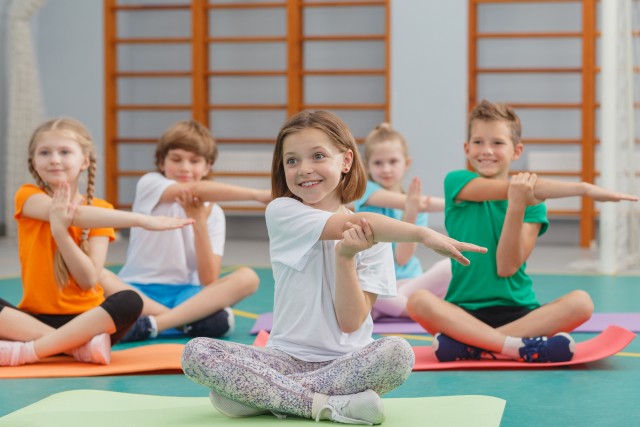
column 28, row 353
column 154, row 327
column 512, row 346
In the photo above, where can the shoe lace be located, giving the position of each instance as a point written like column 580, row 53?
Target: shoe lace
column 336, row 416
column 534, row 349
column 468, row 352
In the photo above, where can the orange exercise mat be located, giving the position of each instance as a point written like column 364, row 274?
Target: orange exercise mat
column 612, row 340
column 149, row 358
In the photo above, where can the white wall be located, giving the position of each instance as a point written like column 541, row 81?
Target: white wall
column 429, row 87
column 69, row 46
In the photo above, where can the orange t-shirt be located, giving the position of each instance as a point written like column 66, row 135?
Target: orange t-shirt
column 36, row 248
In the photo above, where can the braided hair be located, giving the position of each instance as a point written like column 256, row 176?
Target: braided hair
column 76, row 131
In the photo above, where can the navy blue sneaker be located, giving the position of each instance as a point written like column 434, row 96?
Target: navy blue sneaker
column 558, row 348
column 219, row 324
column 141, row 330
column 447, row 349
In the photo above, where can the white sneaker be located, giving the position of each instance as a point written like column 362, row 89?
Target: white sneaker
column 97, row 350
column 363, row 408
column 232, row 408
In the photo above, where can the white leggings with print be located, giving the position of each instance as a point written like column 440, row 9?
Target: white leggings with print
column 271, row 379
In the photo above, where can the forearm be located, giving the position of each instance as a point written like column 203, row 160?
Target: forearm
column 510, row 254
column 208, row 268
column 555, row 189
column 94, row 217
column 390, row 230
column 80, row 266
column 212, row 191
column 352, row 306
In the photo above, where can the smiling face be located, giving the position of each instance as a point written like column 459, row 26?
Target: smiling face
column 490, row 149
column 387, row 164
column 313, row 168
column 58, row 158
column 184, row 166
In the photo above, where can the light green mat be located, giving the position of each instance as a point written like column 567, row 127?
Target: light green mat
column 96, row 408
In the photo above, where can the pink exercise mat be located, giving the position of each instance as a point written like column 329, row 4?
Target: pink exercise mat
column 612, row 340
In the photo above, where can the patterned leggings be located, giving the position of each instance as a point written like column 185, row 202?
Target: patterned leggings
column 271, row 379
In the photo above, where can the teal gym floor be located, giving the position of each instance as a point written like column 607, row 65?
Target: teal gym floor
column 603, row 393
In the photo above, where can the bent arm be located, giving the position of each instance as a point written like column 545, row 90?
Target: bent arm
column 516, row 243
column 84, row 268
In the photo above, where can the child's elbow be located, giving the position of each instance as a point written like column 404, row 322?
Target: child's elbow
column 349, row 327
column 507, row 271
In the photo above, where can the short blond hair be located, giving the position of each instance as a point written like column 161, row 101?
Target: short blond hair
column 487, row 111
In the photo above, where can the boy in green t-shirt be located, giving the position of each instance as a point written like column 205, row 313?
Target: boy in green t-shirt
column 490, row 306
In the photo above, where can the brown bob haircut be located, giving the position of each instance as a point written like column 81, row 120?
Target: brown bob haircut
column 352, row 184
column 187, row 135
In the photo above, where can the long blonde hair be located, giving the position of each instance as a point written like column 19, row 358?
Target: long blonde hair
column 76, row 131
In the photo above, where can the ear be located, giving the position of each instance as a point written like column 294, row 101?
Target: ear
column 348, row 159
column 85, row 163
column 207, row 169
column 517, row 151
column 407, row 163
column 466, row 148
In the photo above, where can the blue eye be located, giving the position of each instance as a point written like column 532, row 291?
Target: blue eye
column 318, row 156
column 290, row 161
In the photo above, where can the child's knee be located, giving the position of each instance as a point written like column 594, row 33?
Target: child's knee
column 420, row 302
column 581, row 303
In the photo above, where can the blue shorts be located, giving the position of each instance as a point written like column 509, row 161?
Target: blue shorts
column 168, row 295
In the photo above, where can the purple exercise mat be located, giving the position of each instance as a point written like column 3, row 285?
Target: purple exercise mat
column 389, row 325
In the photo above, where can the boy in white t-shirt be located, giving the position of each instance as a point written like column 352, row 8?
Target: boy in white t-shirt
column 177, row 274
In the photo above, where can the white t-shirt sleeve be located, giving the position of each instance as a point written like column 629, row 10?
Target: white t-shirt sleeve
column 376, row 271
column 149, row 191
column 293, row 230
column 216, row 224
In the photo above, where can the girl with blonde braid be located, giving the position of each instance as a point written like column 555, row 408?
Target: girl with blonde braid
column 62, row 243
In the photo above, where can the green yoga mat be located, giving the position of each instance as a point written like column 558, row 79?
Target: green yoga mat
column 95, row 408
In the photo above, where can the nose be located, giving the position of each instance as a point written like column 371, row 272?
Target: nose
column 487, row 148
column 54, row 158
column 306, row 167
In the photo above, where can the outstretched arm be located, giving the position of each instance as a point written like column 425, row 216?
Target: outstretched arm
column 390, row 230
column 483, row 189
column 212, row 191
column 352, row 304
column 38, row 205
column 517, row 238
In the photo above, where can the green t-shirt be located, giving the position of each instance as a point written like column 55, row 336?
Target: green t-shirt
column 478, row 285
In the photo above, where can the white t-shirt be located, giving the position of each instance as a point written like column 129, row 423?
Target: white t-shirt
column 304, row 318
column 166, row 257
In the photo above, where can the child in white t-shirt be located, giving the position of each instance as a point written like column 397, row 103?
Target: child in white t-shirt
column 177, row 274
column 321, row 361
